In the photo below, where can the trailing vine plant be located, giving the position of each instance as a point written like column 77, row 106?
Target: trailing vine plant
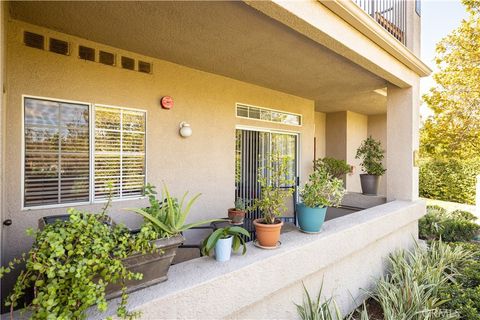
column 71, row 263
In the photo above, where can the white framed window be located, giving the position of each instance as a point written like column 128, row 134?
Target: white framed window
column 269, row 115
column 73, row 152
column 56, row 166
column 119, row 152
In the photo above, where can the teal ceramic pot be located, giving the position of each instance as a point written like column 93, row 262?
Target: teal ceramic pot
column 310, row 219
column 223, row 249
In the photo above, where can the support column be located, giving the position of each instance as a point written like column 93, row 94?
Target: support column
column 3, row 41
column 402, row 139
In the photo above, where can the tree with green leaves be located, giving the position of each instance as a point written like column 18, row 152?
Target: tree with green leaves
column 454, row 129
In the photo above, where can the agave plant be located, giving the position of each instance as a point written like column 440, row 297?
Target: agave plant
column 168, row 216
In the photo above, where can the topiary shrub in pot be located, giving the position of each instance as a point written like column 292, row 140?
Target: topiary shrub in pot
column 371, row 154
column 321, row 191
column 274, row 182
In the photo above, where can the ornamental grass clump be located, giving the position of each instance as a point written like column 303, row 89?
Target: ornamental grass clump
column 71, row 263
column 322, row 190
column 316, row 309
column 413, row 288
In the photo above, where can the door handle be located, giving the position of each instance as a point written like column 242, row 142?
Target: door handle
column 7, row 222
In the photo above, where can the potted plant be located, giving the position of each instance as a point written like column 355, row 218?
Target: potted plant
column 274, row 185
column 72, row 263
column 223, row 240
column 371, row 154
column 321, row 191
column 334, row 167
column 237, row 214
column 164, row 223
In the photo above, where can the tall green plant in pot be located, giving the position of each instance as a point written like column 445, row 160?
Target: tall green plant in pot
column 321, row 191
column 274, row 182
column 371, row 154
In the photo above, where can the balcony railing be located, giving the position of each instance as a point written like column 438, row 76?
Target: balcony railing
column 390, row 14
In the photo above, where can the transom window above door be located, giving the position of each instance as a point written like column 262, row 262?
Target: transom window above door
column 63, row 163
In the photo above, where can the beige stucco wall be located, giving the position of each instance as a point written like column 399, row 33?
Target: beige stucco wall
column 377, row 128
column 320, row 132
column 345, row 132
column 414, row 23
column 202, row 163
column 335, row 136
column 357, row 126
column 403, row 121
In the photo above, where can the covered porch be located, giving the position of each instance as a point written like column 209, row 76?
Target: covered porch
column 211, row 57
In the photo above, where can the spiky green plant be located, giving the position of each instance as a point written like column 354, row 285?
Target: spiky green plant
column 167, row 218
column 315, row 309
column 412, row 289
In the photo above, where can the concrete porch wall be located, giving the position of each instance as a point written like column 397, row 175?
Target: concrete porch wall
column 264, row 284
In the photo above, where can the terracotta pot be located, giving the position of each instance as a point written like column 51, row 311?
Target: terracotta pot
column 236, row 216
column 268, row 235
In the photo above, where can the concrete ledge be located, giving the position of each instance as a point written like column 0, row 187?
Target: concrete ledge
column 202, row 288
column 355, row 199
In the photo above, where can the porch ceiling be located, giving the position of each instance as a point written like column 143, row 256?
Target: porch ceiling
column 226, row 38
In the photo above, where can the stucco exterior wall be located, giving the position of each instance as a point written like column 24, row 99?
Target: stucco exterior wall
column 336, row 135
column 357, row 126
column 414, row 23
column 377, row 128
column 202, row 163
column 320, row 133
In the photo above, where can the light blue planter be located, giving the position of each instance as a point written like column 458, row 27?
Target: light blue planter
column 223, row 249
column 310, row 219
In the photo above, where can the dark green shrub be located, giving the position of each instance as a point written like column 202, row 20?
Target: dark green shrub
column 465, row 301
column 334, row 167
column 450, row 180
column 464, row 295
column 454, row 226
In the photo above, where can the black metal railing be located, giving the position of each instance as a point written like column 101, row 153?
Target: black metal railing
column 390, row 14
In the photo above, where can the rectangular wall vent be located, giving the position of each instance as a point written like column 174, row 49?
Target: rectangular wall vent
column 128, row 63
column 59, row 46
column 106, row 58
column 86, row 53
column 33, row 40
column 145, row 67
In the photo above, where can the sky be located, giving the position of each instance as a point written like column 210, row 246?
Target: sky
column 438, row 19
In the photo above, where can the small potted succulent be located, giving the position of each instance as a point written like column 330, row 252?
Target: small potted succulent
column 237, row 214
column 223, row 240
column 321, row 191
column 274, row 192
column 371, row 154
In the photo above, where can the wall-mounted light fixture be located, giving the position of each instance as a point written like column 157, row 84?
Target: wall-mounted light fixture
column 185, row 129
